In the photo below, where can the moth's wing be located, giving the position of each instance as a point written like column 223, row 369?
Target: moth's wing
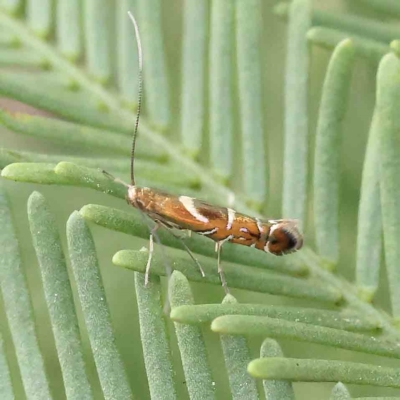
column 184, row 212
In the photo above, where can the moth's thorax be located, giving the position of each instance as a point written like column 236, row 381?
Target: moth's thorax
column 217, row 223
column 140, row 197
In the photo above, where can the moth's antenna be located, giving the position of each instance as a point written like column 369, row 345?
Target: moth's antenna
column 140, row 92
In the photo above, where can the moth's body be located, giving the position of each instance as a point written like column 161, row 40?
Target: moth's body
column 217, row 223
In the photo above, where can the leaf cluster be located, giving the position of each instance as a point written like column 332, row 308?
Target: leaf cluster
column 65, row 67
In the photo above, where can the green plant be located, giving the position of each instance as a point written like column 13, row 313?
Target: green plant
column 94, row 103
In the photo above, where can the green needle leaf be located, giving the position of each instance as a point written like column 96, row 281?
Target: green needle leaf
column 71, row 174
column 237, row 356
column 64, row 173
column 193, row 75
column 298, row 370
column 296, row 114
column 204, row 313
column 340, row 392
column 248, row 59
column 277, row 328
column 42, row 173
column 395, row 46
column 78, row 106
column 18, row 308
column 237, row 276
column 220, row 89
column 32, row 92
column 82, row 252
column 275, row 389
column 327, row 148
column 21, row 57
column 75, row 136
column 387, row 107
column 362, row 26
column 59, row 298
column 69, row 28
column 127, row 59
column 12, row 6
column 147, row 170
column 391, row 7
column 6, row 388
column 156, row 351
column 155, row 67
column 349, row 293
column 91, row 178
column 328, row 38
column 97, row 33
column 39, row 13
column 376, row 398
column 191, row 343
column 369, row 230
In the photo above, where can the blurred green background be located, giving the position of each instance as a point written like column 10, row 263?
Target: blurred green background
column 119, row 283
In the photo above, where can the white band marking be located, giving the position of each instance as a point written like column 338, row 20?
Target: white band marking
column 259, row 226
column 132, row 192
column 272, row 229
column 187, row 202
column 210, row 232
column 221, row 242
column 231, row 218
column 266, row 248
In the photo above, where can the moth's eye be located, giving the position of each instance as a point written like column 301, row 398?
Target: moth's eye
column 273, row 240
column 284, row 239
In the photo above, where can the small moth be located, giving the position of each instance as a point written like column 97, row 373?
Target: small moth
column 220, row 224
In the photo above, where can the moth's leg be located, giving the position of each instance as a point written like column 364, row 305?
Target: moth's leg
column 187, row 249
column 151, row 250
column 168, row 269
column 153, row 232
column 218, row 249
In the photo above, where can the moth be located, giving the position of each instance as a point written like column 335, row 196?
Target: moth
column 220, row 224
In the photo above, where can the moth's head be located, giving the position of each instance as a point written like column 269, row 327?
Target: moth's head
column 283, row 238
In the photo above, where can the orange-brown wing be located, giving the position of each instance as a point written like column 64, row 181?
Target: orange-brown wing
column 184, row 212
